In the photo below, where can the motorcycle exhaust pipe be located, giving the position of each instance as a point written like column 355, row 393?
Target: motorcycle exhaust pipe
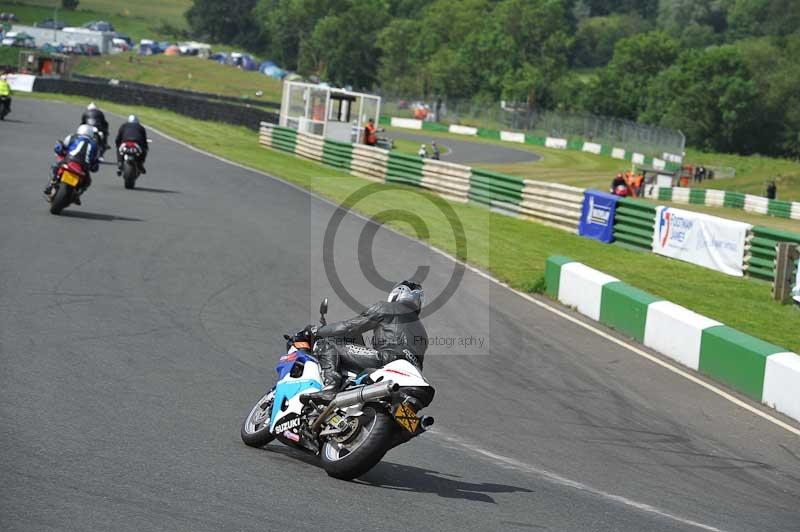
column 364, row 395
column 426, row 422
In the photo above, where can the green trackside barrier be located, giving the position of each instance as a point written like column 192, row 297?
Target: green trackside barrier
column 435, row 126
column 605, row 149
column 634, row 223
column 403, row 168
column 665, row 193
column 552, row 274
column 736, row 359
column 534, row 140
column 486, row 186
column 781, row 209
column 284, row 138
column 624, row 308
column 734, row 200
column 338, row 154
column 761, row 261
column 697, row 196
column 489, row 133
column 575, row 144
column 385, row 120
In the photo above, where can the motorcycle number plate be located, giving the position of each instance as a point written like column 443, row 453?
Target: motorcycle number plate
column 406, row 416
column 69, row 178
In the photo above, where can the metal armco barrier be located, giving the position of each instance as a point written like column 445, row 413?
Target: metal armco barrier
column 194, row 107
column 634, row 223
column 553, row 204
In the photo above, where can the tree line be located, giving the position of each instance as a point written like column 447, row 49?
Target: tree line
column 725, row 72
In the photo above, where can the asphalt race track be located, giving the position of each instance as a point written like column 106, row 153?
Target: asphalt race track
column 138, row 329
column 467, row 152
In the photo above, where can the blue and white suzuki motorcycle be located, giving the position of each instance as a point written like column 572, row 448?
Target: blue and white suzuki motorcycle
column 373, row 412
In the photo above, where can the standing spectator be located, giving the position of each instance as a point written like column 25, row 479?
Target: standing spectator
column 696, row 176
column 435, row 154
column 702, row 173
column 638, row 188
column 772, row 190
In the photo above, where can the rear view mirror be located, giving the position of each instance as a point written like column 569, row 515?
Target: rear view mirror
column 323, row 309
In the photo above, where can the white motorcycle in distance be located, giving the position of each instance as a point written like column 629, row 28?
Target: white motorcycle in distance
column 374, row 411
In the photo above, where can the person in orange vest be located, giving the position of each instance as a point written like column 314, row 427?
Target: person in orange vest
column 638, row 179
column 370, row 133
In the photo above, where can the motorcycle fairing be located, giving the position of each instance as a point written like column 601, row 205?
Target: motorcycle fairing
column 401, row 372
column 288, row 388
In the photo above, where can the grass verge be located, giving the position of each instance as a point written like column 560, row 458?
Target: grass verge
column 178, row 72
column 513, row 250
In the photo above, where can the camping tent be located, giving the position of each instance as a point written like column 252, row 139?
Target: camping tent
column 268, row 68
column 172, row 50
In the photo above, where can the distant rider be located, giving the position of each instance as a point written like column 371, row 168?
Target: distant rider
column 81, row 148
column 398, row 334
column 5, row 97
column 95, row 117
column 132, row 131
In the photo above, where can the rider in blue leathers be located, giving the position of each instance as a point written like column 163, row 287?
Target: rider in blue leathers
column 81, row 148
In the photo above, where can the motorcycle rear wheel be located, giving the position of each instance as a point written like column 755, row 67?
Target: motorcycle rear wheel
column 129, row 175
column 62, row 198
column 255, row 427
column 354, row 458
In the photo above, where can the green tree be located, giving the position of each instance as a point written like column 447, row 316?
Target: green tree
column 71, row 5
column 621, row 88
column 710, row 96
column 342, row 48
column 230, row 23
column 596, row 36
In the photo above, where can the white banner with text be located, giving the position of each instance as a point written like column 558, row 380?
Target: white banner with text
column 701, row 239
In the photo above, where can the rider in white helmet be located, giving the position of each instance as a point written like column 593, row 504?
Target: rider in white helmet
column 80, row 147
column 398, row 333
column 132, row 131
column 423, row 151
column 93, row 116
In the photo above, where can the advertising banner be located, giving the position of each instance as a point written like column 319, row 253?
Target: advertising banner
column 21, row 82
column 701, row 239
column 597, row 216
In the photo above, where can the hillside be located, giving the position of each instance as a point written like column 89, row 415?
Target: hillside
column 141, row 19
column 179, row 72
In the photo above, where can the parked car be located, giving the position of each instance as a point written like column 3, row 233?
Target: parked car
column 99, row 25
column 8, row 17
column 124, row 37
column 21, row 40
column 51, row 24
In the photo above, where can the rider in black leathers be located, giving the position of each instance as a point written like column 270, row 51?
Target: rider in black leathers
column 398, row 334
column 132, row 130
column 95, row 117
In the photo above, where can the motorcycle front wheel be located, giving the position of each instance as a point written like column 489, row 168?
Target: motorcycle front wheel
column 351, row 456
column 62, row 198
column 255, row 427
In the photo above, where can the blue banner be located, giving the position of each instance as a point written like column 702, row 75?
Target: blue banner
column 597, row 215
